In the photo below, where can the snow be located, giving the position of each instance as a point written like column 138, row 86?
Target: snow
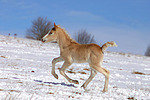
column 25, row 74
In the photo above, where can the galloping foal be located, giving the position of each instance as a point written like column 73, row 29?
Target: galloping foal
column 73, row 52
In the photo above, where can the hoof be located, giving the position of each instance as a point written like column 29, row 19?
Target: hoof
column 83, row 86
column 104, row 91
column 75, row 82
column 55, row 75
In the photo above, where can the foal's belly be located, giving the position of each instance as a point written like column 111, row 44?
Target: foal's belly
column 79, row 61
column 80, row 58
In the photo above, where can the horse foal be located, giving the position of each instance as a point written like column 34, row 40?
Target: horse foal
column 73, row 52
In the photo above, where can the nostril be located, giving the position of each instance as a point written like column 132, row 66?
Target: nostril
column 43, row 40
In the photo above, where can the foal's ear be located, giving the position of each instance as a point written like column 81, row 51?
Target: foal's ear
column 55, row 25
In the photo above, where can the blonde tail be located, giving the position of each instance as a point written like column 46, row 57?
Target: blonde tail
column 108, row 44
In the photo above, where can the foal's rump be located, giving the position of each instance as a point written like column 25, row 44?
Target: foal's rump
column 83, row 52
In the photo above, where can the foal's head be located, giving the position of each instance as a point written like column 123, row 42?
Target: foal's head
column 51, row 35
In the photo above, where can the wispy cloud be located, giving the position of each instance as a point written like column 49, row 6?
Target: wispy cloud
column 16, row 9
column 4, row 1
column 20, row 4
column 83, row 15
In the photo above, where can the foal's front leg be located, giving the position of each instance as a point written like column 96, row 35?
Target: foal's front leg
column 55, row 60
column 62, row 72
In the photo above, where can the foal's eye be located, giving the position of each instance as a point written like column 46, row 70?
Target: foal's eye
column 51, row 33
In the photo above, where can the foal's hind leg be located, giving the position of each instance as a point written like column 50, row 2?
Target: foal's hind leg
column 93, row 73
column 62, row 72
column 55, row 60
column 105, row 73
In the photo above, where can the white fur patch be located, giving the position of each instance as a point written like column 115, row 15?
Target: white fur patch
column 45, row 36
column 49, row 31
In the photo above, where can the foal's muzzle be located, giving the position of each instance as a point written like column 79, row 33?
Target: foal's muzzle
column 43, row 40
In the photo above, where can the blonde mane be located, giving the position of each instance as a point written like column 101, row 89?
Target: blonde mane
column 67, row 35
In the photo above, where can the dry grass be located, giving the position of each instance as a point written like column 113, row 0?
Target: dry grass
column 1, row 90
column 70, row 71
column 88, row 69
column 3, row 56
column 81, row 72
column 139, row 73
column 131, row 98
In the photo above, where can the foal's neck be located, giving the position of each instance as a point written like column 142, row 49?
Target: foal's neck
column 63, row 40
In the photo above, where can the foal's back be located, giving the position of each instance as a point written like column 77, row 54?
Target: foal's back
column 81, row 53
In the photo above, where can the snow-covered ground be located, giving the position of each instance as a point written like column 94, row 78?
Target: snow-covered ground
column 25, row 74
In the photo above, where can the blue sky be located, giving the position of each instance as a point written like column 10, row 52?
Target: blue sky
column 127, row 22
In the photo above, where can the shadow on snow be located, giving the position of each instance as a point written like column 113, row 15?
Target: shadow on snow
column 53, row 83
